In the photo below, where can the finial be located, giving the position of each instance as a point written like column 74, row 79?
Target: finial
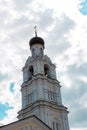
column 35, row 30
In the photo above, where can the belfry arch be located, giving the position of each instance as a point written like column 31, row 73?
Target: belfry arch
column 46, row 70
column 31, row 72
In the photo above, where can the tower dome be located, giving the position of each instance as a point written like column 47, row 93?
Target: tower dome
column 36, row 40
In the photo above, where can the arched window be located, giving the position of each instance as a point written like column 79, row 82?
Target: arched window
column 52, row 96
column 33, row 52
column 46, row 70
column 31, row 72
column 41, row 51
column 56, row 125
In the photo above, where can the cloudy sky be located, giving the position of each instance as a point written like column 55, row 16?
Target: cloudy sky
column 63, row 26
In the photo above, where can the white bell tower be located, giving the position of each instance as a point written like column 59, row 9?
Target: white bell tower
column 41, row 95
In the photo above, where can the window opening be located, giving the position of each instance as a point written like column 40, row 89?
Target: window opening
column 31, row 71
column 46, row 70
column 55, row 125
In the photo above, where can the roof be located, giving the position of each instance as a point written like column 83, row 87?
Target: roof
column 29, row 117
column 36, row 40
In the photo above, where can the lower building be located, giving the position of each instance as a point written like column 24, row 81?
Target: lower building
column 29, row 123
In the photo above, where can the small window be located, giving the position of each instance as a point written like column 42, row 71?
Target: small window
column 31, row 72
column 52, row 96
column 46, row 70
column 26, row 128
column 21, row 129
column 41, row 51
column 33, row 51
column 29, row 98
column 55, row 125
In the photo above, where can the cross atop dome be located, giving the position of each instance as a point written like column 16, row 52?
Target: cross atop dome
column 35, row 30
column 36, row 42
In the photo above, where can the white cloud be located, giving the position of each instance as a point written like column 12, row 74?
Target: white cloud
column 14, row 101
column 64, row 30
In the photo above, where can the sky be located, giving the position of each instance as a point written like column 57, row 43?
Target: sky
column 63, row 26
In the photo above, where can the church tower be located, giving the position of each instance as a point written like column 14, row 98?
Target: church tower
column 41, row 94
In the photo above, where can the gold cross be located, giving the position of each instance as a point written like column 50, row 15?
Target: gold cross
column 35, row 30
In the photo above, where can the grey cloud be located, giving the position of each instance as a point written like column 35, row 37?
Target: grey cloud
column 59, row 47
column 3, row 15
column 19, row 22
column 77, row 112
column 4, row 77
column 75, row 96
column 78, row 117
column 20, row 35
column 46, row 18
column 75, row 93
column 22, row 28
column 59, row 43
column 75, row 70
column 21, row 5
column 62, row 26
column 79, row 87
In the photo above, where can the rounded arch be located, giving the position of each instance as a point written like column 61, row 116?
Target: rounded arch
column 56, row 124
column 46, row 70
column 31, row 71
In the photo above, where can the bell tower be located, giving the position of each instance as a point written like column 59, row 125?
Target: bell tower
column 41, row 95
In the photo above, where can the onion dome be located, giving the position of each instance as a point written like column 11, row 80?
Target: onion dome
column 36, row 40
